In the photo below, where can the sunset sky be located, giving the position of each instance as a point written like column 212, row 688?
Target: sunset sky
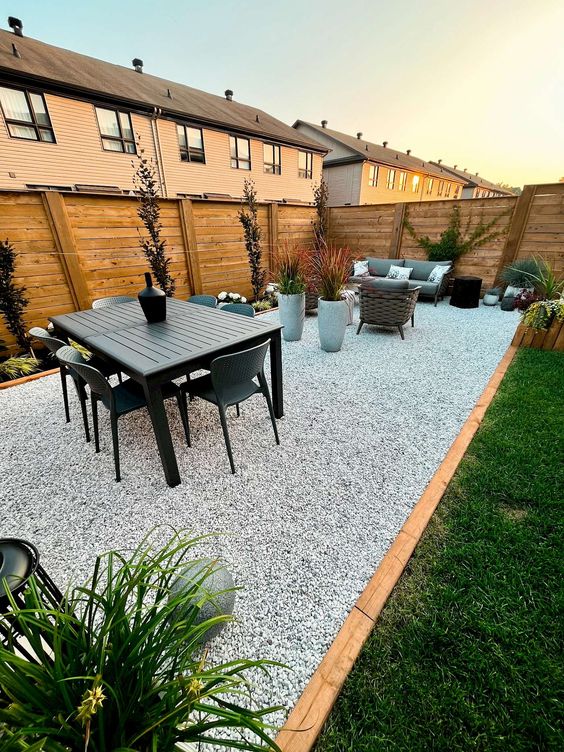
column 479, row 83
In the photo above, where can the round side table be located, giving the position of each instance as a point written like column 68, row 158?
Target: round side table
column 466, row 292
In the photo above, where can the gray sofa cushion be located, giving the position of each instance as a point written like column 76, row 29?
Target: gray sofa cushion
column 422, row 269
column 381, row 283
column 427, row 288
column 379, row 267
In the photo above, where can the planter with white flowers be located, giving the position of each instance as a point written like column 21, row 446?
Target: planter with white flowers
column 230, row 297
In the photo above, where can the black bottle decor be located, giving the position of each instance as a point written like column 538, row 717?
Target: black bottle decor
column 153, row 301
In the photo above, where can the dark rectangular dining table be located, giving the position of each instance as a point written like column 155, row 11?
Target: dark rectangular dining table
column 153, row 354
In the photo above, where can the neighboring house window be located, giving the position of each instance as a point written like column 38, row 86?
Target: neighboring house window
column 391, row 180
column 430, row 185
column 441, row 188
column 116, row 131
column 272, row 159
column 447, row 191
column 456, row 191
column 240, row 153
column 191, row 144
column 402, row 181
column 373, row 176
column 26, row 115
column 415, row 183
column 305, row 164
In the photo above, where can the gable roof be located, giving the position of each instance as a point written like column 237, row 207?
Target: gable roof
column 475, row 180
column 70, row 73
column 366, row 150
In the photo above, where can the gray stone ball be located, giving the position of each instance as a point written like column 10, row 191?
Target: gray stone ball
column 216, row 582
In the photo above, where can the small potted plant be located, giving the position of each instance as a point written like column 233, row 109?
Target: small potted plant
column 332, row 267
column 290, row 279
column 491, row 296
column 230, row 297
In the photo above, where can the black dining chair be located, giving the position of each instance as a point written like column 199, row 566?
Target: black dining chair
column 119, row 400
column 206, row 300
column 231, row 380
column 111, row 300
column 244, row 309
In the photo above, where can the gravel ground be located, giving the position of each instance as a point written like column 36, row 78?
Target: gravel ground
column 309, row 521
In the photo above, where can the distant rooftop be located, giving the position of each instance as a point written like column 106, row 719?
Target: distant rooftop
column 474, row 179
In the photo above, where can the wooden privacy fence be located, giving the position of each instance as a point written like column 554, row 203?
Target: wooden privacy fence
column 533, row 224
column 73, row 248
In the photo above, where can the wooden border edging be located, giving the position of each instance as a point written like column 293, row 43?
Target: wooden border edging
column 308, row 717
column 25, row 379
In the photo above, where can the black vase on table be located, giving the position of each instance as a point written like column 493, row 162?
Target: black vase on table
column 153, row 301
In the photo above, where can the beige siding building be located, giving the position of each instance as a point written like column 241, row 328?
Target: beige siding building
column 475, row 186
column 72, row 122
column 360, row 172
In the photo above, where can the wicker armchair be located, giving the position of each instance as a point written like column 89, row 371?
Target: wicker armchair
column 392, row 308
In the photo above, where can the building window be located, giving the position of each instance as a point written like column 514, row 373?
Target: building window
column 441, row 188
column 415, row 183
column 373, row 176
column 191, row 144
column 430, row 182
column 272, row 159
column 447, row 191
column 26, row 115
column 240, row 153
column 391, row 180
column 456, row 191
column 116, row 131
column 402, row 181
column 305, row 164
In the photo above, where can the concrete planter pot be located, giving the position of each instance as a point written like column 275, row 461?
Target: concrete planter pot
column 332, row 317
column 490, row 300
column 292, row 315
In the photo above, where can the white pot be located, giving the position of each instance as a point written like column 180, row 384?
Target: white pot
column 490, row 299
column 292, row 315
column 332, row 317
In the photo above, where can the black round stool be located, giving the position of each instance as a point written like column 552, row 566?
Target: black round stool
column 466, row 292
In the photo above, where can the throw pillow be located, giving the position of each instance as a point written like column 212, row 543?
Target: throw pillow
column 437, row 274
column 399, row 272
column 361, row 269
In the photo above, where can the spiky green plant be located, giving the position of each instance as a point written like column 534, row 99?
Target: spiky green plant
column 290, row 267
column 541, row 276
column 17, row 366
column 331, row 269
column 120, row 666
column 518, row 274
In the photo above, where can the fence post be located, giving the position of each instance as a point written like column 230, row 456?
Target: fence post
column 66, row 247
column 273, row 232
column 397, row 231
column 186, row 213
column 517, row 228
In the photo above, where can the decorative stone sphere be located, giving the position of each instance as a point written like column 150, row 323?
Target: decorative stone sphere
column 217, row 588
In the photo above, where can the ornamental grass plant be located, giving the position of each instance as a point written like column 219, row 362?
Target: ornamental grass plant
column 290, row 269
column 331, row 268
column 121, row 667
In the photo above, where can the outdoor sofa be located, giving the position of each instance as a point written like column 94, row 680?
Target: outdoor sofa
column 419, row 277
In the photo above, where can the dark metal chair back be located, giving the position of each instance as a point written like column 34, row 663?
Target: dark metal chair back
column 237, row 368
column 111, row 300
column 242, row 308
column 93, row 377
column 42, row 335
column 206, row 300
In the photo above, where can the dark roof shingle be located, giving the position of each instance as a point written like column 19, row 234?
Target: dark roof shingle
column 475, row 180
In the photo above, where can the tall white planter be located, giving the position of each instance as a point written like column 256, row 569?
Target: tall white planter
column 291, row 309
column 332, row 317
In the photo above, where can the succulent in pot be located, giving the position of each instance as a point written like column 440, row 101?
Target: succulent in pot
column 491, row 296
column 290, row 279
column 331, row 266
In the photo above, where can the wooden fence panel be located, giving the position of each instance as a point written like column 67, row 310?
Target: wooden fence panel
column 295, row 224
column 543, row 234
column 366, row 230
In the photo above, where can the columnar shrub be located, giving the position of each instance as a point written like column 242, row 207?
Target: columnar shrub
column 12, row 299
column 248, row 217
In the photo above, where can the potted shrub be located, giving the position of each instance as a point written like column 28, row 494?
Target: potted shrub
column 491, row 296
column 230, row 297
column 518, row 277
column 332, row 268
column 290, row 279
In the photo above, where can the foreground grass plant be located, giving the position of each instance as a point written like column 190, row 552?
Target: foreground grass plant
column 467, row 654
column 121, row 666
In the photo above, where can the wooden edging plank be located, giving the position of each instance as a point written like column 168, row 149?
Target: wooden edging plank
column 306, row 720
column 25, row 379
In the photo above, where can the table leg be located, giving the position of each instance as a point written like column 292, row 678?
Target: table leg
column 276, row 374
column 157, row 411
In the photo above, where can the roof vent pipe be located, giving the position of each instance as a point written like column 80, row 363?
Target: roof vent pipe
column 324, row 123
column 455, row 166
column 359, row 135
column 137, row 64
column 439, row 161
column 229, row 95
column 16, row 25
column 476, row 174
column 15, row 51
column 384, row 144
column 408, row 152
column 169, row 93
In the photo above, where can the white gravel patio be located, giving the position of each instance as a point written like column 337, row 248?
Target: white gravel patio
column 308, row 521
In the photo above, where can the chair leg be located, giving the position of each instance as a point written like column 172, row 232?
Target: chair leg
column 266, row 393
column 238, row 410
column 400, row 327
column 182, row 407
column 120, row 379
column 360, row 323
column 413, row 319
column 115, row 441
column 63, row 374
column 223, row 419
column 82, row 397
column 95, row 423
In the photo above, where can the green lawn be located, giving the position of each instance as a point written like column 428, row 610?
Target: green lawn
column 467, row 654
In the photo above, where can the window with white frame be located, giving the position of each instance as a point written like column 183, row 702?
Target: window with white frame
column 390, row 183
column 447, row 189
column 305, row 164
column 430, row 182
column 415, row 183
column 26, row 115
column 402, row 181
column 190, row 143
column 373, row 176
column 240, row 153
column 272, row 159
column 440, row 188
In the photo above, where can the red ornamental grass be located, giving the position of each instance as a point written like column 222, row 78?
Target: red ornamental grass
column 332, row 268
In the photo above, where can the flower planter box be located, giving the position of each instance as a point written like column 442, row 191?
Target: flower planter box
column 540, row 339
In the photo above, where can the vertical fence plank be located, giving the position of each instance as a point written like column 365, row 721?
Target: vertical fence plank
column 397, row 231
column 517, row 227
column 66, row 246
column 186, row 213
column 273, row 230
